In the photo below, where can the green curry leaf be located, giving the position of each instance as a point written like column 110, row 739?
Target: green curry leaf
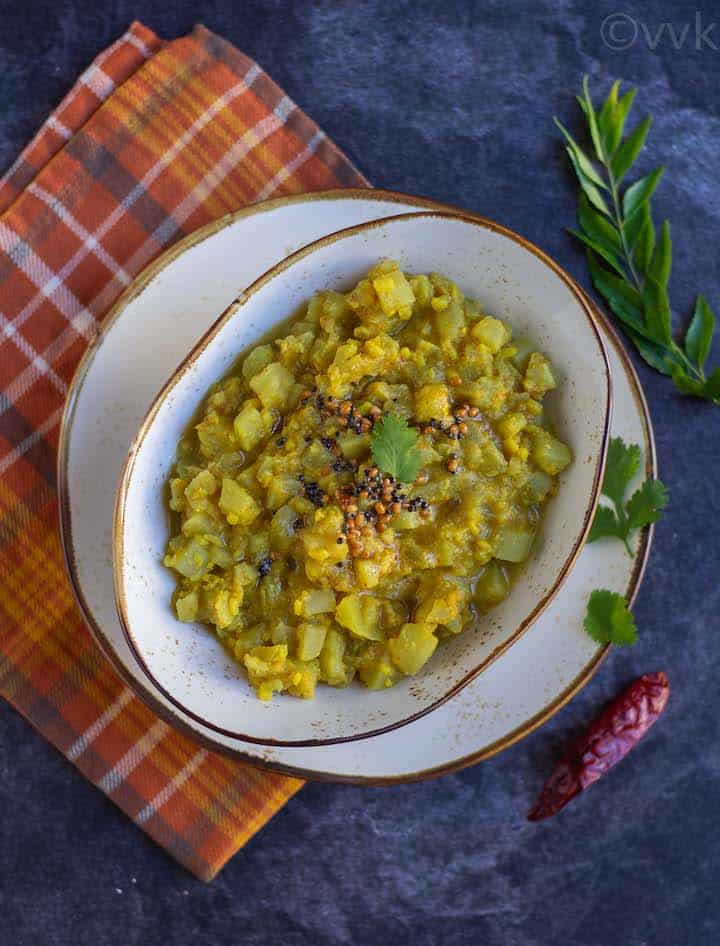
column 629, row 264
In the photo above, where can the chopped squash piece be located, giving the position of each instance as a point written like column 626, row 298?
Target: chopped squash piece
column 360, row 614
column 237, row 503
column 274, row 386
column 413, row 647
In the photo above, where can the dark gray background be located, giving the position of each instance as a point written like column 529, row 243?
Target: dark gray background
column 455, row 101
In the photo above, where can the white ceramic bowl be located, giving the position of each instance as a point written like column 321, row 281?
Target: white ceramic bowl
column 511, row 279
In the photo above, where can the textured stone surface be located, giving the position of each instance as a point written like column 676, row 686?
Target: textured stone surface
column 452, row 100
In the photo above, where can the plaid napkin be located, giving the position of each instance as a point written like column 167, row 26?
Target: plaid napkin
column 155, row 140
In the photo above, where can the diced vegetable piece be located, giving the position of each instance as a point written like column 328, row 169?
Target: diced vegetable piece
column 248, row 639
column 492, row 586
column 199, row 488
column 513, row 543
column 485, row 393
column 282, row 528
column 310, row 639
column 237, row 503
column 257, row 359
column 223, row 606
column 539, row 485
column 451, row 326
column 539, row 378
column 491, row 332
column 353, row 446
column 367, row 572
column 376, row 669
column 314, row 601
column 250, row 427
column 432, row 402
column 360, row 614
column 394, row 294
column 303, row 678
column 199, row 523
column 332, row 666
column 177, row 494
column 281, row 488
column 215, row 434
column 406, row 520
column 186, row 606
column 191, row 558
column 549, row 453
column 320, row 541
column 441, row 604
column 523, row 349
column 273, row 385
column 413, row 647
column 265, row 666
column 485, row 457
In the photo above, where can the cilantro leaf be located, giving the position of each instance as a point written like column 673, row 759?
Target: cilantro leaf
column 608, row 619
column 394, row 448
column 605, row 525
column 622, row 464
column 646, row 504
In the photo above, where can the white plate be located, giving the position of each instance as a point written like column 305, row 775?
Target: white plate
column 144, row 338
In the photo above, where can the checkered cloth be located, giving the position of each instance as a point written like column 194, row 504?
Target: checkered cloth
column 155, row 140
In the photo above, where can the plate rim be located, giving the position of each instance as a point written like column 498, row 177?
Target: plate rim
column 132, row 292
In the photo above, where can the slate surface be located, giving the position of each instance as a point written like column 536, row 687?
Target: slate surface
column 453, row 100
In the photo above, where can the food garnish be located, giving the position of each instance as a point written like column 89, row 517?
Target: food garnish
column 644, row 507
column 395, row 450
column 629, row 263
column 608, row 619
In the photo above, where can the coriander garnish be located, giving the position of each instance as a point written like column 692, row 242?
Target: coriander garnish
column 394, row 448
column 608, row 619
column 644, row 507
column 629, row 264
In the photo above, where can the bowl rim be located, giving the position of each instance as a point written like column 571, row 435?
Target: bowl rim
column 243, row 297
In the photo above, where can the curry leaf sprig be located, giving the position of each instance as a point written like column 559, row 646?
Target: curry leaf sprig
column 395, row 450
column 629, row 262
column 608, row 619
column 644, row 507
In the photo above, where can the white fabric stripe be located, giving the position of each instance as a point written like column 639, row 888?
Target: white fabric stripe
column 171, row 788
column 86, row 739
column 104, row 55
column 62, row 213
column 132, row 758
column 217, row 174
column 7, row 461
column 284, row 173
column 58, row 127
column 37, row 362
column 138, row 44
column 51, row 286
column 99, row 82
column 25, row 380
column 140, row 188
column 83, row 321
column 149, row 247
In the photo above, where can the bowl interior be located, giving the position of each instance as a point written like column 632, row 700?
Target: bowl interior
column 511, row 280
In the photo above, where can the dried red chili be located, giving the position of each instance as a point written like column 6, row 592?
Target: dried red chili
column 608, row 740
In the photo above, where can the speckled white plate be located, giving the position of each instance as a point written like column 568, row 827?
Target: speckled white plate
column 144, row 338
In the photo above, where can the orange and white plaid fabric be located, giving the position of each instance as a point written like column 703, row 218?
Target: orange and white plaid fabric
column 155, row 140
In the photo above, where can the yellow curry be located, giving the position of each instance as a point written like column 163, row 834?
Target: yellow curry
column 310, row 561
